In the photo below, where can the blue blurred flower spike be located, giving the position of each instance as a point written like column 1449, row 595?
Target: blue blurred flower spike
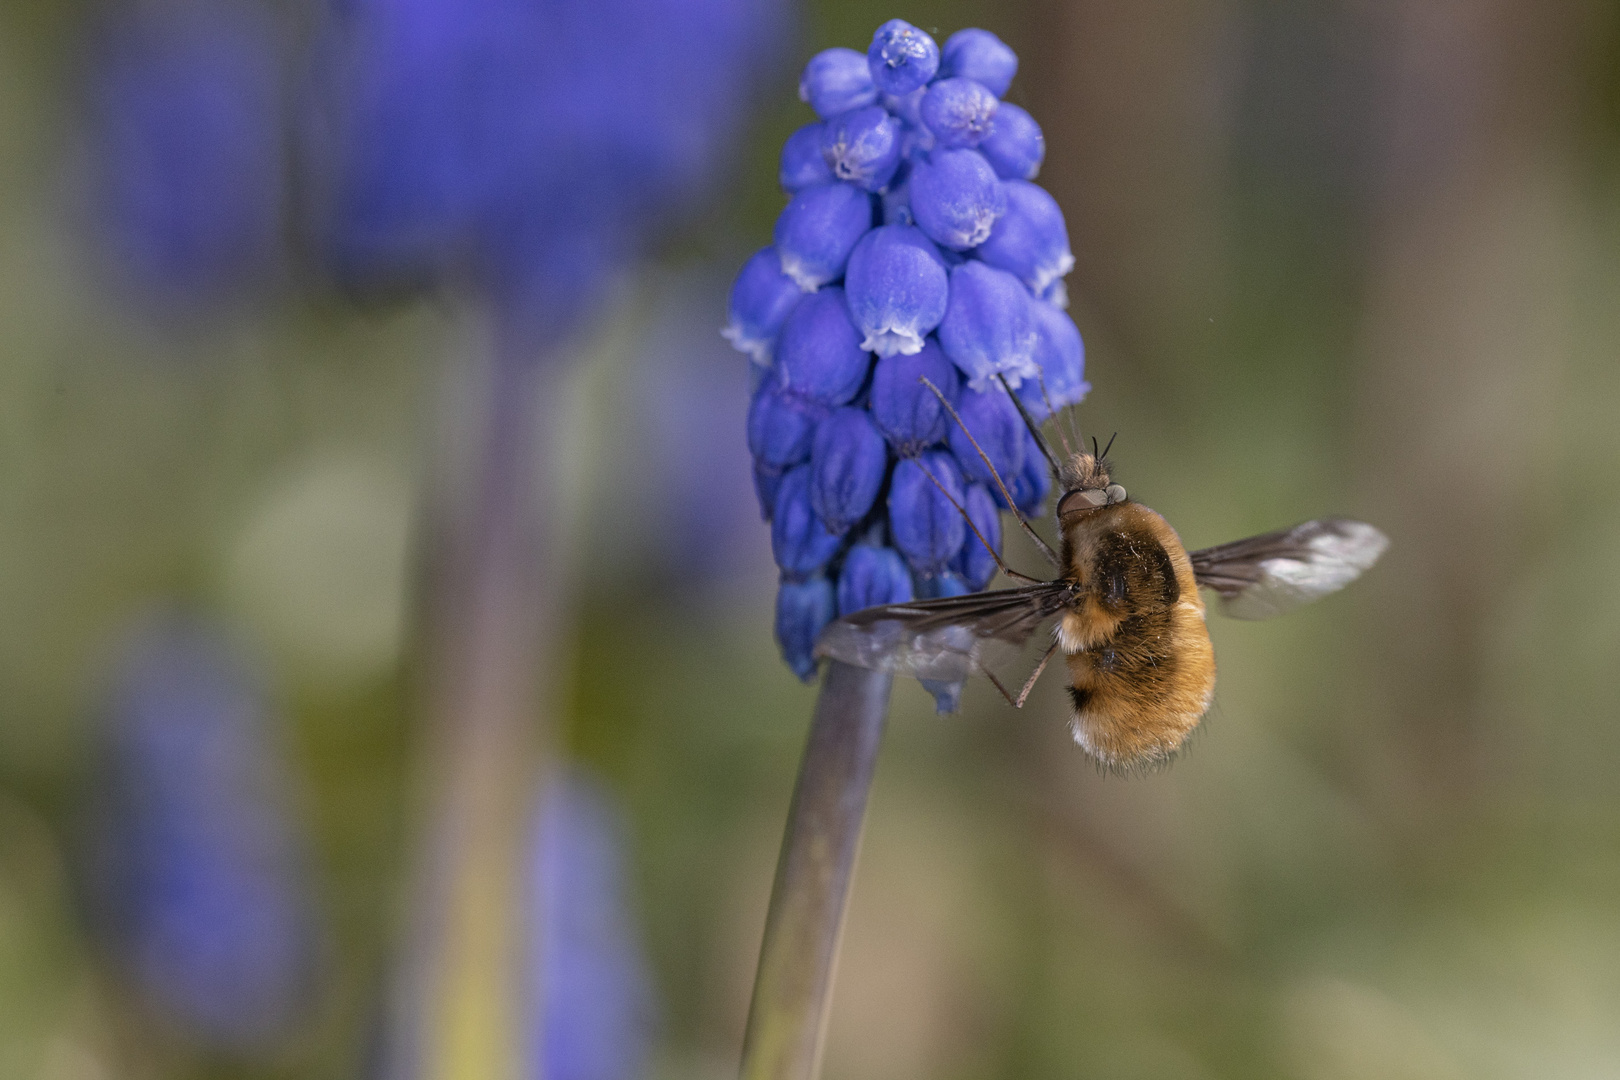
column 518, row 147
column 185, row 133
column 596, row 1008
column 199, row 871
column 914, row 255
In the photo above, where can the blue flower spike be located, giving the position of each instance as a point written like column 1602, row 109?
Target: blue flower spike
column 818, row 229
column 960, row 112
column 803, row 609
column 594, row 1011
column 902, row 58
column 803, row 164
column 848, row 460
column 202, row 868
column 761, row 300
column 915, row 260
column 897, row 289
column 862, row 147
column 836, row 81
column 871, row 576
column 819, row 356
column 956, row 198
column 981, row 56
column 1015, row 146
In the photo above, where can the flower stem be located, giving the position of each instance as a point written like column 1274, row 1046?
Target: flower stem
column 491, row 598
column 787, row 1020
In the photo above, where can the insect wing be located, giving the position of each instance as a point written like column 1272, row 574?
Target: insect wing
column 1276, row 572
column 943, row 640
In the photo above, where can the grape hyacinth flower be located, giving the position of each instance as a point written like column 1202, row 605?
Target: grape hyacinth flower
column 185, row 126
column 593, row 1014
column 858, row 313
column 199, row 869
column 926, row 281
column 518, row 155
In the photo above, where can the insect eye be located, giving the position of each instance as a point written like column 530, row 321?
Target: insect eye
column 1084, row 499
column 1116, row 494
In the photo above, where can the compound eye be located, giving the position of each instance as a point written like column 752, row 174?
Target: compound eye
column 1084, row 499
column 1116, row 494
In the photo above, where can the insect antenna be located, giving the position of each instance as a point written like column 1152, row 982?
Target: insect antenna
column 1029, row 422
column 1023, row 523
column 960, row 509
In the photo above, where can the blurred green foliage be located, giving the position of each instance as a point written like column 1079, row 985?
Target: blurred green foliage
column 1319, row 271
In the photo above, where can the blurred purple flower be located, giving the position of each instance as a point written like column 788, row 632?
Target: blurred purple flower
column 524, row 146
column 199, row 872
column 597, row 1010
column 185, row 126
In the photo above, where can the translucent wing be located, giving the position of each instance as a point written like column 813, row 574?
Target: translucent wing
column 943, row 640
column 1276, row 572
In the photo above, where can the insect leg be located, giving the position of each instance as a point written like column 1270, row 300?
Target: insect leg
column 994, row 554
column 997, row 684
column 1023, row 523
column 1029, row 684
column 1029, row 421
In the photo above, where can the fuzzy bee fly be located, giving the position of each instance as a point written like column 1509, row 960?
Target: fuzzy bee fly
column 1125, row 609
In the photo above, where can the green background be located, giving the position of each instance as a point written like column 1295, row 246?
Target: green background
column 1357, row 258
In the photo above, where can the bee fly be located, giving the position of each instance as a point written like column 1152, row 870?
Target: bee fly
column 1126, row 609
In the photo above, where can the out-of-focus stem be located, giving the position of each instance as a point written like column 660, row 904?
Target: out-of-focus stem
column 489, row 605
column 787, row 1020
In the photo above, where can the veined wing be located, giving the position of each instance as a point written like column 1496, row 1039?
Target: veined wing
column 943, row 640
column 1275, row 572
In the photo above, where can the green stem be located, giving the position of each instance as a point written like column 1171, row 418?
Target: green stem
column 787, row 1020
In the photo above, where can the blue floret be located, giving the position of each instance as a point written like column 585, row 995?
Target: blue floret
column 819, row 356
column 1015, row 146
column 981, row 56
column 871, row 576
column 803, row 164
column 960, row 112
column 863, row 147
column 901, row 57
column 848, row 460
column 1030, row 239
column 924, row 525
column 800, row 541
column 818, row 229
column 761, row 300
column 803, row 609
column 988, row 329
column 956, row 198
column 907, row 412
column 836, row 81
column 897, row 289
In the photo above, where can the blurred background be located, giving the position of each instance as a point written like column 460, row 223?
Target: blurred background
column 1358, row 257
